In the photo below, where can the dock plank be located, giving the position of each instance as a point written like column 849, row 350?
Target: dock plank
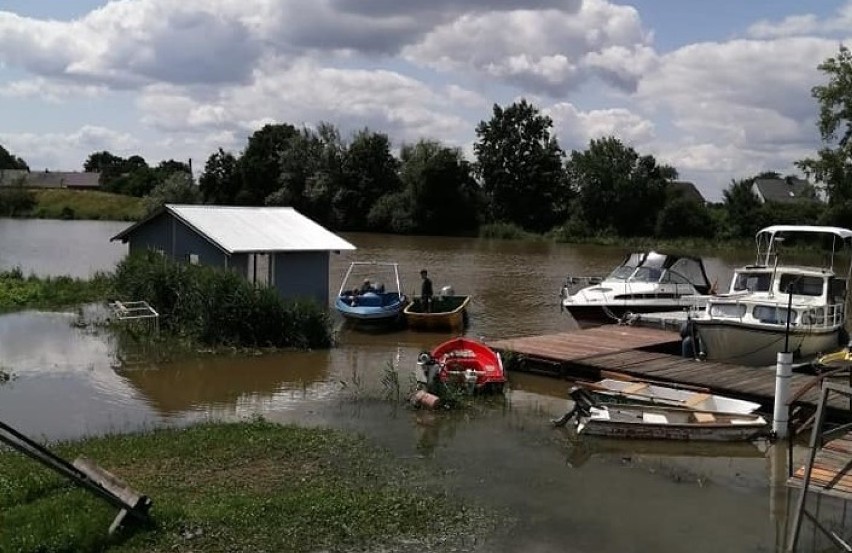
column 639, row 352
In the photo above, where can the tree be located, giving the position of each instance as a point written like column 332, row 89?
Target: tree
column 833, row 164
column 684, row 217
column 742, row 207
column 368, row 172
column 618, row 190
column 444, row 197
column 519, row 165
column 9, row 161
column 220, row 181
column 178, row 188
column 310, row 172
column 260, row 163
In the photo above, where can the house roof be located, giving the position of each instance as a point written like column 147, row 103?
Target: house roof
column 687, row 190
column 251, row 229
column 49, row 179
column 786, row 190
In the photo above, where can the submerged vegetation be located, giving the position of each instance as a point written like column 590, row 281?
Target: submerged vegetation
column 20, row 292
column 220, row 308
column 196, row 304
column 252, row 486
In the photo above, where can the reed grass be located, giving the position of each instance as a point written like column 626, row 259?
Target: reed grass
column 31, row 292
column 220, row 308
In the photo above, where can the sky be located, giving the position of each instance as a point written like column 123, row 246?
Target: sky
column 718, row 90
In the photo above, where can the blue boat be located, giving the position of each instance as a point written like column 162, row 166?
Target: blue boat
column 370, row 299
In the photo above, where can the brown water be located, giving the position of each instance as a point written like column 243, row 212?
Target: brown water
column 555, row 492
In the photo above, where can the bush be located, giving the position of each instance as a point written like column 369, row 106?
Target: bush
column 219, row 307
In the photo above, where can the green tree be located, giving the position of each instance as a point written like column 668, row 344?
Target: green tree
column 833, row 164
column 618, row 190
column 742, row 207
column 9, row 161
column 519, row 165
column 178, row 188
column 439, row 182
column 368, row 172
column 310, row 172
column 684, row 217
column 260, row 165
column 220, row 182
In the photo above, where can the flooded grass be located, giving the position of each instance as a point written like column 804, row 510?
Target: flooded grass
column 20, row 292
column 253, row 486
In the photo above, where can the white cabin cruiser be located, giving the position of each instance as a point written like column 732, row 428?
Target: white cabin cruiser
column 773, row 306
column 644, row 282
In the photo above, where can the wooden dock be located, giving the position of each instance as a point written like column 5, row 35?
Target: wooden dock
column 830, row 474
column 654, row 355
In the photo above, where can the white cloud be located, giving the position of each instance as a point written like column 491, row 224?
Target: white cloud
column 303, row 93
column 48, row 90
column 545, row 50
column 576, row 128
column 804, row 24
column 60, row 151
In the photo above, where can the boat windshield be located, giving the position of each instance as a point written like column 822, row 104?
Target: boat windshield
column 646, row 274
column 622, row 272
column 751, row 281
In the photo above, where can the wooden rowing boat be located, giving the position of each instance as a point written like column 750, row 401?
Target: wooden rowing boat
column 446, row 313
column 611, row 390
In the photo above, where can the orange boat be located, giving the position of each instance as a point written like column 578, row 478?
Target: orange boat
column 465, row 361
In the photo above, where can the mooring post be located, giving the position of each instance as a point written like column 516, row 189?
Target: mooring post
column 781, row 413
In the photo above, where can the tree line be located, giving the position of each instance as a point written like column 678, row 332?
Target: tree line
column 520, row 178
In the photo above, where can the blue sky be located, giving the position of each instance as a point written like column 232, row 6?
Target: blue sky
column 718, row 90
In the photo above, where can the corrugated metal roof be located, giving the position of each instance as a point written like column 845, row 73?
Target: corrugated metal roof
column 259, row 229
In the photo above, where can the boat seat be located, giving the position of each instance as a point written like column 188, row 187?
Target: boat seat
column 632, row 389
column 704, row 417
column 696, row 399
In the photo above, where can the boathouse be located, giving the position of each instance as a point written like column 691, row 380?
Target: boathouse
column 269, row 246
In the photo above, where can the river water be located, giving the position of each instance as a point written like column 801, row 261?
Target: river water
column 557, row 492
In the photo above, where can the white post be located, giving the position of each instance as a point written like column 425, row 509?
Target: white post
column 783, row 373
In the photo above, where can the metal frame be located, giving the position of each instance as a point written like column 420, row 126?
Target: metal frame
column 816, row 441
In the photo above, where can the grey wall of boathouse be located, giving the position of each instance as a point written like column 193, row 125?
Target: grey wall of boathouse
column 296, row 275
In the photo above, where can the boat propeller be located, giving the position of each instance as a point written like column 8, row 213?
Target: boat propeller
column 583, row 402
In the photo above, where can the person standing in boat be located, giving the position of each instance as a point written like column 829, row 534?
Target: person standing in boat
column 426, row 292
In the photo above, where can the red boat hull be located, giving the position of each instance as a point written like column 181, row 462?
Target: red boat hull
column 462, row 358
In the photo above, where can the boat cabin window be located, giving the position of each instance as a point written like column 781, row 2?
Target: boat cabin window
column 837, row 290
column 771, row 314
column 646, row 274
column 801, row 285
column 729, row 310
column 675, row 278
column 753, row 282
column 622, row 273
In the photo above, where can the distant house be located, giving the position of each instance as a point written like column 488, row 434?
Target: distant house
column 50, row 179
column 786, row 190
column 687, row 190
column 269, row 246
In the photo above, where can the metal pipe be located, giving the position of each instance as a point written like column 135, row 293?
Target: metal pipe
column 781, row 412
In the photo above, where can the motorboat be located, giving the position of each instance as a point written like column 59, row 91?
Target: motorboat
column 446, row 312
column 462, row 361
column 645, row 282
column 615, row 391
column 364, row 295
column 656, row 422
column 774, row 306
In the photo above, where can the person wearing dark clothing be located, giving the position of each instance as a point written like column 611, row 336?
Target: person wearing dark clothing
column 426, row 292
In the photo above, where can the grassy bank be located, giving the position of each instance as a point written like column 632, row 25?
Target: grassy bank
column 30, row 292
column 60, row 203
column 234, row 487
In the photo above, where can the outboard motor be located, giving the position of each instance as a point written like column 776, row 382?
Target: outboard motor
column 427, row 369
column 447, row 291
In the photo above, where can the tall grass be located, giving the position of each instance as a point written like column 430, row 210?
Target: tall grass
column 18, row 291
column 219, row 307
